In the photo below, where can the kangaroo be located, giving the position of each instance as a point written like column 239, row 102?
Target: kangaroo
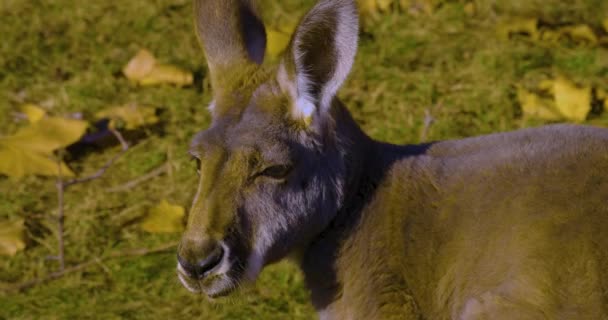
column 503, row 226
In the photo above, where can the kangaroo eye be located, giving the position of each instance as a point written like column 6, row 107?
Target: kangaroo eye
column 276, row 172
column 198, row 164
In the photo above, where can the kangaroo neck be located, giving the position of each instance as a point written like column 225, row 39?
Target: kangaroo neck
column 367, row 161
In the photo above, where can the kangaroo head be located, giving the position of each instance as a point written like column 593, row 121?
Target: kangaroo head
column 271, row 167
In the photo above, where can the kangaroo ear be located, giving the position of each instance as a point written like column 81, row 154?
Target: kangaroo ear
column 232, row 35
column 320, row 56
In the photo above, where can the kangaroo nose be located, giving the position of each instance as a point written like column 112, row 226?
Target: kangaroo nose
column 198, row 264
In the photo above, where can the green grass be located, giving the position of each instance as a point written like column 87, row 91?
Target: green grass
column 66, row 56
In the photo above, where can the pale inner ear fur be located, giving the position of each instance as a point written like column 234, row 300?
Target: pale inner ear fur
column 321, row 55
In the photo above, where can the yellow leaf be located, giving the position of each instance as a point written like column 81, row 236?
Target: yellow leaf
column 140, row 65
column 601, row 94
column 368, row 9
column 47, row 135
column 469, row 8
column 164, row 73
column 547, row 85
column 33, row 112
column 526, row 26
column 145, row 70
column 132, row 116
column 534, row 106
column 17, row 162
column 418, row 6
column 580, row 33
column 11, row 237
column 277, row 42
column 550, row 35
column 29, row 151
column 605, row 24
column 164, row 218
column 572, row 101
column 384, row 5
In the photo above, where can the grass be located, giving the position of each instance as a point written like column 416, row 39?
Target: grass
column 67, row 57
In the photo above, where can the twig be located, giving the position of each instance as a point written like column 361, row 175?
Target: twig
column 63, row 185
column 96, row 261
column 135, row 182
column 428, row 121
column 60, row 216
column 106, row 166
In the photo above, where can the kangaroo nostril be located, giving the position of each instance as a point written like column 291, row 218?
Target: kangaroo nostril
column 210, row 262
column 200, row 268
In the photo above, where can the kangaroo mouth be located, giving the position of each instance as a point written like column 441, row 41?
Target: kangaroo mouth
column 218, row 281
column 213, row 286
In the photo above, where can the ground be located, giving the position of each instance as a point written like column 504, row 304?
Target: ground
column 67, row 56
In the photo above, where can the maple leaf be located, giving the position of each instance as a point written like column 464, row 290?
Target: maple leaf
column 29, row 150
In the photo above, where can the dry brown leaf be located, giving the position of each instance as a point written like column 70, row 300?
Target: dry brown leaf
column 164, row 218
column 11, row 237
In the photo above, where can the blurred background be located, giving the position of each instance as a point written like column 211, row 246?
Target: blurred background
column 111, row 92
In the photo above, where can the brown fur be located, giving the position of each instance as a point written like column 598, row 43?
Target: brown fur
column 503, row 226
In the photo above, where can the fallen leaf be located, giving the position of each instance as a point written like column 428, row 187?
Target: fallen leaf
column 527, row 26
column 17, row 163
column 535, row 106
column 47, row 135
column 129, row 116
column 580, row 33
column 164, row 218
column 29, row 150
column 415, row 7
column 601, row 94
column 384, row 5
column 548, row 35
column 368, row 10
column 33, row 112
column 162, row 73
column 11, row 237
column 469, row 8
column 140, row 65
column 145, row 70
column 572, row 101
column 605, row 24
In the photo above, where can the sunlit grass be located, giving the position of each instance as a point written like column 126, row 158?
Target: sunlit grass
column 67, row 56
